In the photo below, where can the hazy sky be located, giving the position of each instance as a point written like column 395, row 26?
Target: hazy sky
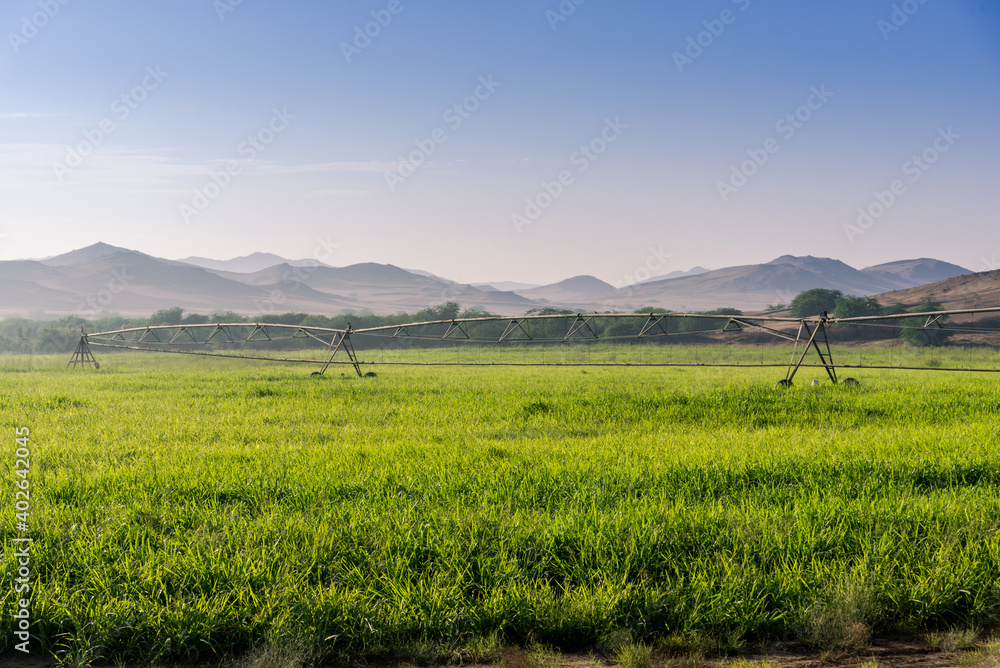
column 506, row 139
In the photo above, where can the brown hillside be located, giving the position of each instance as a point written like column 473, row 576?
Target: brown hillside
column 980, row 290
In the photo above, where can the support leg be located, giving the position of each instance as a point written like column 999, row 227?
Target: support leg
column 343, row 341
column 82, row 355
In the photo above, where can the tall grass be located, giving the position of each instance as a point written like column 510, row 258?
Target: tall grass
column 189, row 511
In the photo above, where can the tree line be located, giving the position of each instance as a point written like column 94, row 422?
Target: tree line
column 838, row 305
column 33, row 336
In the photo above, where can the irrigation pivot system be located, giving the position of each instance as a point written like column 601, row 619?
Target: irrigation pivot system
column 810, row 339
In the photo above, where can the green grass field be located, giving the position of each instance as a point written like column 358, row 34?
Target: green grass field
column 188, row 510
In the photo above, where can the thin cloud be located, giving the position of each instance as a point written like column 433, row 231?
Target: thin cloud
column 324, row 167
column 31, row 166
column 336, row 192
column 26, row 114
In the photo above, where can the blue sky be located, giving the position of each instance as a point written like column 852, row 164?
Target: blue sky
column 606, row 134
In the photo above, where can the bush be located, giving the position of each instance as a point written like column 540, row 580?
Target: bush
column 841, row 620
column 634, row 655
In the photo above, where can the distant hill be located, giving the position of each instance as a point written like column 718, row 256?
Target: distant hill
column 246, row 263
column 572, row 292
column 693, row 271
column 385, row 288
column 910, row 273
column 421, row 272
column 81, row 255
column 505, row 286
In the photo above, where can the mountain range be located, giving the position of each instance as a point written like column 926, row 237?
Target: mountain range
column 106, row 279
column 246, row 263
column 752, row 287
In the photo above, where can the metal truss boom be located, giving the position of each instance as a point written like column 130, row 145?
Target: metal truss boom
column 806, row 334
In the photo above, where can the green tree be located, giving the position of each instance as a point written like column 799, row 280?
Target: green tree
column 814, row 302
column 719, row 323
column 445, row 311
column 476, row 312
column 705, row 324
column 194, row 319
column 894, row 309
column 550, row 310
column 229, row 316
column 168, row 316
column 317, row 321
column 916, row 333
column 287, row 318
column 850, row 306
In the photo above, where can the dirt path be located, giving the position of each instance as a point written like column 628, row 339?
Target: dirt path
column 888, row 654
